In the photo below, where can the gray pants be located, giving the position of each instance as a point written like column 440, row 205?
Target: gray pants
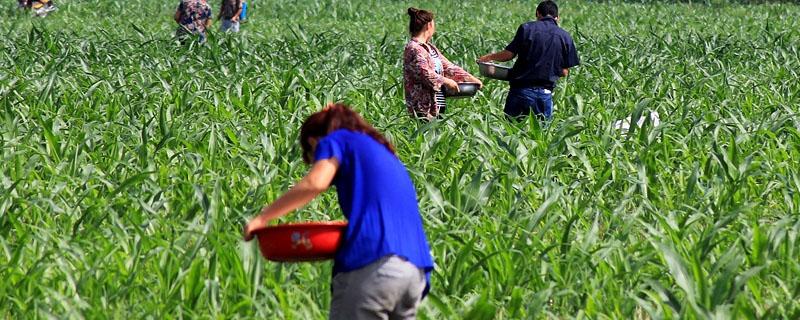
column 390, row 288
column 229, row 26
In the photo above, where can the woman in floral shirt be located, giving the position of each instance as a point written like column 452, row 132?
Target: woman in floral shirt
column 194, row 17
column 426, row 70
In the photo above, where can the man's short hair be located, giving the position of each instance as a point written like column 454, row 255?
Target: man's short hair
column 547, row 8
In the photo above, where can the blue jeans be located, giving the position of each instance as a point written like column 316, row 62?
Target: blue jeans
column 524, row 101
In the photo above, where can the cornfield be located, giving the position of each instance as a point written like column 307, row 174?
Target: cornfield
column 129, row 162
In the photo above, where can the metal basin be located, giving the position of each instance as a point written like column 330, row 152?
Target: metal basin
column 494, row 71
column 465, row 89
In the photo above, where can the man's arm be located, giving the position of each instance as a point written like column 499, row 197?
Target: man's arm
column 501, row 56
column 511, row 49
column 570, row 56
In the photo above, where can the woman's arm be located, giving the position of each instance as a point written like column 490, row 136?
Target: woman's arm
column 455, row 72
column 208, row 15
column 177, row 15
column 317, row 180
column 238, row 13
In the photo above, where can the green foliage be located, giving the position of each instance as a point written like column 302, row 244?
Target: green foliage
column 129, row 163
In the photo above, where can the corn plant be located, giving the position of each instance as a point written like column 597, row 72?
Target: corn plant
column 130, row 162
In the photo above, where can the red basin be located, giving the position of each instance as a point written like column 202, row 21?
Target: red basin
column 309, row 241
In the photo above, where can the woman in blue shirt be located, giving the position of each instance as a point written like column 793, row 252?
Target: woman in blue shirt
column 382, row 269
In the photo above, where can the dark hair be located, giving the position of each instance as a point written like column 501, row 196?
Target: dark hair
column 418, row 18
column 334, row 117
column 547, row 8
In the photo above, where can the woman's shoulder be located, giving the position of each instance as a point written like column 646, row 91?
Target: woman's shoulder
column 414, row 45
column 340, row 134
column 414, row 48
column 434, row 47
column 346, row 139
column 347, row 135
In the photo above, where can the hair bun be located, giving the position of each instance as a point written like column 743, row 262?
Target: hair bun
column 412, row 11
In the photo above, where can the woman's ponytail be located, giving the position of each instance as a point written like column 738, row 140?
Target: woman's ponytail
column 417, row 19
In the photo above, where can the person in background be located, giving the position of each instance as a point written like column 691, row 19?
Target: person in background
column 40, row 7
column 229, row 14
column 43, row 7
column 426, row 70
column 382, row 269
column 193, row 17
column 243, row 15
column 544, row 52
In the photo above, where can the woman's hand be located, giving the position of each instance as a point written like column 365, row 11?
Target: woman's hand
column 475, row 80
column 450, row 84
column 252, row 226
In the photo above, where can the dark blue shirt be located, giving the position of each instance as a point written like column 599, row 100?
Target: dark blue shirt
column 379, row 200
column 542, row 50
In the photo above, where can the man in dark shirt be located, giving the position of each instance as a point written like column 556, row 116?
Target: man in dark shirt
column 544, row 53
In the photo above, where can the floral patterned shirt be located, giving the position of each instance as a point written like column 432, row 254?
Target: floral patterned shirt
column 194, row 14
column 421, row 81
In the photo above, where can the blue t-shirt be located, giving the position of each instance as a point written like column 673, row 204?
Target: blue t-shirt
column 379, row 200
column 542, row 50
